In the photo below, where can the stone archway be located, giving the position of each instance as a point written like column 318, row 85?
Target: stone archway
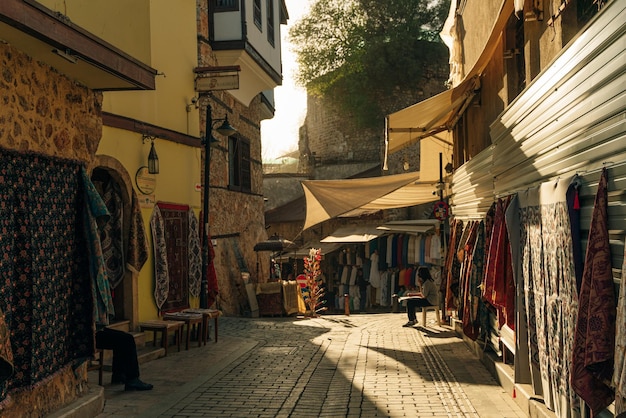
column 107, row 169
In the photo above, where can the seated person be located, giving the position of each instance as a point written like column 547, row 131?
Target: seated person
column 427, row 297
column 125, row 365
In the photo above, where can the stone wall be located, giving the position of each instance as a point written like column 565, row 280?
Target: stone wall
column 330, row 138
column 43, row 112
column 237, row 220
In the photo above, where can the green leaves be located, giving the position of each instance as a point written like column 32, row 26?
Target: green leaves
column 352, row 51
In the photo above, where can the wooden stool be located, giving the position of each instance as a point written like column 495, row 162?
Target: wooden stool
column 156, row 325
column 191, row 320
column 206, row 315
column 97, row 363
column 431, row 308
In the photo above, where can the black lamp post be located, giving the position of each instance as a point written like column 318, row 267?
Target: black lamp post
column 226, row 130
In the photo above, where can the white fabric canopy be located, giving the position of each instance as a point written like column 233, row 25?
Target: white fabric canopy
column 327, row 199
column 354, row 234
column 432, row 117
column 410, row 226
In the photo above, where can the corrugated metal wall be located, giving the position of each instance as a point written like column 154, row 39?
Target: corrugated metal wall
column 570, row 120
column 472, row 187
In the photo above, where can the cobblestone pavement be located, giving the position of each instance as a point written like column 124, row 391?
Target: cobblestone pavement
column 364, row 365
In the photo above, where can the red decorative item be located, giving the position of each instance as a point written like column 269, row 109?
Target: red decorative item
column 441, row 210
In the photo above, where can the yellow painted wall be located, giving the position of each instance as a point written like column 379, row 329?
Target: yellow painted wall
column 122, row 23
column 157, row 33
column 173, row 44
column 180, row 168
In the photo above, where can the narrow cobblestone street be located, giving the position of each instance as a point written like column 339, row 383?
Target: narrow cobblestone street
column 364, row 365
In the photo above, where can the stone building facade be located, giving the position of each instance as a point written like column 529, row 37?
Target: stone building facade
column 45, row 113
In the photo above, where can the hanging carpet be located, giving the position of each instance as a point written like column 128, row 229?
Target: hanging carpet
column 170, row 233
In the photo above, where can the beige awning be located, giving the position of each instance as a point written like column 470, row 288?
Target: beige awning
column 354, row 234
column 324, row 247
column 327, row 199
column 410, row 226
column 433, row 117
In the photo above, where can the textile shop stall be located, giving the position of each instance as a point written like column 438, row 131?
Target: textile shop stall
column 278, row 295
column 388, row 257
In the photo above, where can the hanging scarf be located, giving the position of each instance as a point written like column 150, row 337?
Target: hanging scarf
column 95, row 210
column 161, row 276
column 594, row 340
column 195, row 259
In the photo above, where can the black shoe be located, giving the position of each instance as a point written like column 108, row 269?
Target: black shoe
column 118, row 378
column 136, row 384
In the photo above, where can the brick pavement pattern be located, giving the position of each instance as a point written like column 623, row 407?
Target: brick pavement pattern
column 364, row 365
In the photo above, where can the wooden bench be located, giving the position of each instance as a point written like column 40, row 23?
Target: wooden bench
column 192, row 320
column 163, row 327
column 206, row 315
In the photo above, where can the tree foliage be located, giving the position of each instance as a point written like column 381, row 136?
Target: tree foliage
column 351, row 51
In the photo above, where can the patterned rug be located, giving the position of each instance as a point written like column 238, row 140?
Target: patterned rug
column 170, row 232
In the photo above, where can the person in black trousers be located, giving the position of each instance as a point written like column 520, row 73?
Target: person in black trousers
column 125, row 364
column 426, row 297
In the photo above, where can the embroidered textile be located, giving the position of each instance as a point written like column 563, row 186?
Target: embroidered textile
column 161, row 275
column 453, row 266
column 619, row 373
column 137, row 252
column 472, row 293
column 172, row 238
column 550, row 293
column 95, row 212
column 44, row 275
column 594, row 341
column 195, row 259
column 111, row 233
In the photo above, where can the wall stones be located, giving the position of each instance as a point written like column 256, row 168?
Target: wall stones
column 44, row 112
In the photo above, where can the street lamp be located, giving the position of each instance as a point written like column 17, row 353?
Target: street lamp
column 226, row 130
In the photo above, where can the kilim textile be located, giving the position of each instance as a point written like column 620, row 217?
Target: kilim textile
column 44, row 280
column 452, row 268
column 137, row 252
column 195, row 259
column 161, row 270
column 594, row 343
column 174, row 244
column 551, row 301
column 111, row 233
column 619, row 374
column 212, row 287
column 95, row 211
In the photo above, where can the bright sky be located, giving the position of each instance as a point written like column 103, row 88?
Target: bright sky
column 279, row 135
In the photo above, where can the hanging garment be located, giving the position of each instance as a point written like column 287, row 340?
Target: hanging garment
column 499, row 288
column 594, row 341
column 111, row 233
column 195, row 255
column 452, row 267
column 619, row 373
column 94, row 210
column 138, row 248
column 550, row 295
column 374, row 272
column 161, row 278
column 472, row 294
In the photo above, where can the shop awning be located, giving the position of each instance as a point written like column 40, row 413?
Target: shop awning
column 354, row 234
column 325, row 247
column 410, row 226
column 327, row 199
column 433, row 117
